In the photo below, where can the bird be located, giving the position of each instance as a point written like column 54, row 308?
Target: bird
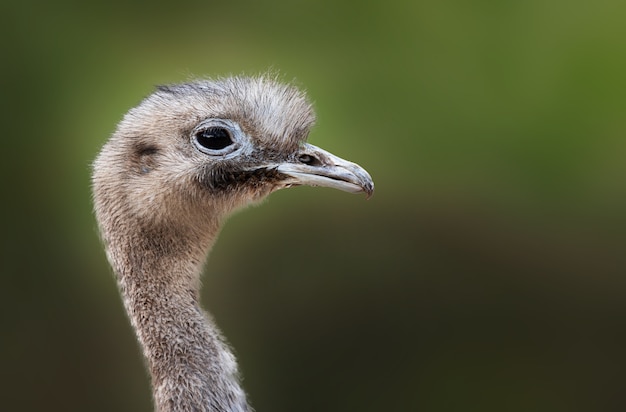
column 176, row 166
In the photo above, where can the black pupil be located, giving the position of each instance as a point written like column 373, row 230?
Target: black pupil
column 214, row 138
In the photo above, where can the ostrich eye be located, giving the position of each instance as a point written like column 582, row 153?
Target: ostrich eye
column 214, row 138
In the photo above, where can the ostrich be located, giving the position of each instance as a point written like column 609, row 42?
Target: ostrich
column 177, row 165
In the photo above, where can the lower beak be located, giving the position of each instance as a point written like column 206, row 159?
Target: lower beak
column 316, row 167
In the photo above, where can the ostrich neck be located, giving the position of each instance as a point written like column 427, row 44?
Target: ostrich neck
column 191, row 366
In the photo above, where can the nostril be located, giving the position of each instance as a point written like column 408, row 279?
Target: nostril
column 309, row 160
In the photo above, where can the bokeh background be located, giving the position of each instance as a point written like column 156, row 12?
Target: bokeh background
column 487, row 273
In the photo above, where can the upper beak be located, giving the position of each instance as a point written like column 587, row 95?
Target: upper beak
column 317, row 167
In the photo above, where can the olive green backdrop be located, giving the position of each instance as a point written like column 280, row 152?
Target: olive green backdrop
column 487, row 273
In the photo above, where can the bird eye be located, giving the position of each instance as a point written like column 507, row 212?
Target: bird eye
column 214, row 138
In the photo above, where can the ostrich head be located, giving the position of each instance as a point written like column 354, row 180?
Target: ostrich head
column 190, row 154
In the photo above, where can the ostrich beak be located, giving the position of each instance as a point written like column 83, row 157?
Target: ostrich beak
column 317, row 167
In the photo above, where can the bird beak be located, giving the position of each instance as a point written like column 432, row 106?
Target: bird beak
column 317, row 167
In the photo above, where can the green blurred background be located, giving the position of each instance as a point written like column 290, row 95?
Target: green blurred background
column 486, row 273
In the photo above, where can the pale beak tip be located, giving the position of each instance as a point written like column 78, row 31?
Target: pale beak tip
column 369, row 191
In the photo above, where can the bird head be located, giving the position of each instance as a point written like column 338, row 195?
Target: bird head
column 200, row 150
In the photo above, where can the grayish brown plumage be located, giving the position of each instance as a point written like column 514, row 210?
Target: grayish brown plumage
column 178, row 164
